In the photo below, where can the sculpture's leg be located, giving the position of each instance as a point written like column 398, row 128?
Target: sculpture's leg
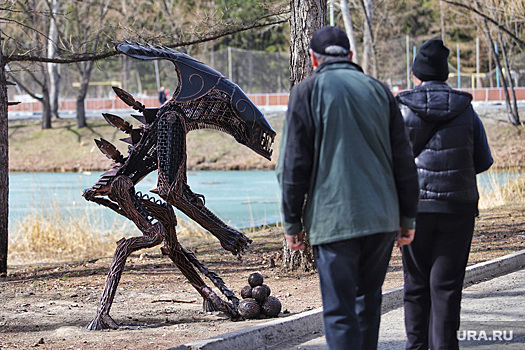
column 212, row 302
column 184, row 259
column 121, row 190
column 217, row 281
column 172, row 186
column 230, row 239
column 124, row 248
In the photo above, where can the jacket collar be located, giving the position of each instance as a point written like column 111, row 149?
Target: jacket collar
column 433, row 83
column 338, row 61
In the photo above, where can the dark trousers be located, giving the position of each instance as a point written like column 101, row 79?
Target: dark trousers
column 351, row 274
column 434, row 268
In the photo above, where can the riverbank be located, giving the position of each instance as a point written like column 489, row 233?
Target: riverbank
column 65, row 148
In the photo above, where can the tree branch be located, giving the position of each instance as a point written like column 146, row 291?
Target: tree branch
column 486, row 17
column 95, row 57
column 25, row 88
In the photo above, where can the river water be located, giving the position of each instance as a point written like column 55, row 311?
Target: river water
column 240, row 198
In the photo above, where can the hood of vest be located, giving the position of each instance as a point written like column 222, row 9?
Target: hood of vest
column 435, row 101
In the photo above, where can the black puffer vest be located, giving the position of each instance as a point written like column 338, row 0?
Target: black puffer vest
column 439, row 121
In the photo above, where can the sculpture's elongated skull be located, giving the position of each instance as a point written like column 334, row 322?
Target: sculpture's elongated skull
column 209, row 100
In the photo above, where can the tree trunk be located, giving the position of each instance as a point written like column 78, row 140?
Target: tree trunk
column 369, row 54
column 500, row 70
column 442, row 20
column 514, row 116
column 81, row 113
column 307, row 16
column 349, row 28
column 54, row 89
column 46, row 109
column 125, row 71
column 82, row 93
column 52, row 68
column 298, row 259
column 4, row 167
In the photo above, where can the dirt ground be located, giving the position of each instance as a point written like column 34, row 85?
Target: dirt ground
column 48, row 306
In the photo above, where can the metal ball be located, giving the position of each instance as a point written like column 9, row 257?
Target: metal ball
column 271, row 307
column 249, row 308
column 246, row 292
column 255, row 279
column 260, row 293
column 266, row 286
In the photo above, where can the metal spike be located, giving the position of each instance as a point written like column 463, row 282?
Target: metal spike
column 109, row 150
column 127, row 140
column 136, row 134
column 150, row 114
column 140, row 118
column 128, row 99
column 118, row 122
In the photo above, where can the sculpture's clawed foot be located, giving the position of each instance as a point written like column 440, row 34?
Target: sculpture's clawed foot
column 89, row 193
column 237, row 244
column 102, row 322
column 213, row 303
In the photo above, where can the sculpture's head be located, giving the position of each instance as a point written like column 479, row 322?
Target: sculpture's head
column 209, row 100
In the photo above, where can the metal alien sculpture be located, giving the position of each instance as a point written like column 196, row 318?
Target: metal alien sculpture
column 203, row 99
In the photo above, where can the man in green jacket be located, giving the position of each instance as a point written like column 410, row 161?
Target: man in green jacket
column 349, row 181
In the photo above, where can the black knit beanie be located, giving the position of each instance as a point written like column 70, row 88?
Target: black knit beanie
column 431, row 61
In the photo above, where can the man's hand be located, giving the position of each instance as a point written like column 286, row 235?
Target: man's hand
column 405, row 236
column 295, row 242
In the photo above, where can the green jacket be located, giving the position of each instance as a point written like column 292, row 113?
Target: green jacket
column 345, row 167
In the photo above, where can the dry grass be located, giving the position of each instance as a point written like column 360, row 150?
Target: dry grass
column 51, row 236
column 499, row 194
column 54, row 238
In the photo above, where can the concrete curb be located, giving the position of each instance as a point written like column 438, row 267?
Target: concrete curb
column 273, row 332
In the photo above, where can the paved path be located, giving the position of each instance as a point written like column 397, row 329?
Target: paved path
column 492, row 317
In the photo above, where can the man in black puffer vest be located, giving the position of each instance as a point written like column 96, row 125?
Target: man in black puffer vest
column 450, row 146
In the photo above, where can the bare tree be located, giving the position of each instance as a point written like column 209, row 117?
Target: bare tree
column 4, row 166
column 32, row 16
column 305, row 18
column 369, row 54
column 35, row 55
column 349, row 28
column 487, row 14
column 52, row 68
column 90, row 25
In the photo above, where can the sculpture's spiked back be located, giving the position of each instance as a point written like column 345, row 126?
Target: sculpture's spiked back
column 110, row 150
column 149, row 114
column 207, row 98
column 123, row 125
column 118, row 122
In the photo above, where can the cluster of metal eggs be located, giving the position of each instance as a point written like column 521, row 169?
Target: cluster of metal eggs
column 256, row 299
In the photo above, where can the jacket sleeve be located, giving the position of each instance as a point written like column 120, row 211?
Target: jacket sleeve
column 296, row 157
column 482, row 155
column 405, row 171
